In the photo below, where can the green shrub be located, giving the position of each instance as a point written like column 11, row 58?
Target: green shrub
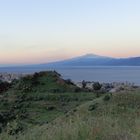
column 69, row 82
column 4, row 86
column 77, row 89
column 97, row 86
column 14, row 127
column 93, row 107
column 84, row 84
column 106, row 98
column 50, row 108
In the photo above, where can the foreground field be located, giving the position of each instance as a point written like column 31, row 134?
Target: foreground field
column 109, row 117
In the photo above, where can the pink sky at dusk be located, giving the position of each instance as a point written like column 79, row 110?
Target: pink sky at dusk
column 50, row 30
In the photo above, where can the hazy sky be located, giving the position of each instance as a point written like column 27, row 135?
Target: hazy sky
column 38, row 31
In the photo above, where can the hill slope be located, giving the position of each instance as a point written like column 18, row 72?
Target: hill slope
column 37, row 99
column 46, row 107
column 115, row 117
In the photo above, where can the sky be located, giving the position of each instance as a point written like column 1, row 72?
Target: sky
column 41, row 31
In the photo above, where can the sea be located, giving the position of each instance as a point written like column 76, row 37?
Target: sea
column 103, row 74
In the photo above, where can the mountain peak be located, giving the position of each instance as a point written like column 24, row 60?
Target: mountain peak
column 91, row 55
column 94, row 56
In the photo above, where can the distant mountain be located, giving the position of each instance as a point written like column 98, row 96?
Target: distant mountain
column 88, row 60
column 94, row 60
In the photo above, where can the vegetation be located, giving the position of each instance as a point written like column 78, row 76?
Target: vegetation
column 38, row 99
column 4, row 86
column 97, row 86
column 84, row 84
column 32, row 110
column 115, row 119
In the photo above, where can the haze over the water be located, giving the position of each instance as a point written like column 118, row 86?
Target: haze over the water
column 38, row 31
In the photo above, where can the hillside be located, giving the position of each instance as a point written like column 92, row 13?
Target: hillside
column 46, row 107
column 37, row 99
column 110, row 117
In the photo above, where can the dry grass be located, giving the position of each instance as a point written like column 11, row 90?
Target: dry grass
column 117, row 119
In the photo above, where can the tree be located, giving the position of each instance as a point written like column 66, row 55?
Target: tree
column 84, row 84
column 97, row 86
column 4, row 86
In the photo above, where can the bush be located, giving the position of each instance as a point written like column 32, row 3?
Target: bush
column 14, row 127
column 106, row 98
column 50, row 108
column 97, row 86
column 93, row 107
column 84, row 84
column 77, row 89
column 4, row 86
column 69, row 82
column 57, row 90
column 35, row 79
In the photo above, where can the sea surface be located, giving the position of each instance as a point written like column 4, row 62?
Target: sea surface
column 101, row 74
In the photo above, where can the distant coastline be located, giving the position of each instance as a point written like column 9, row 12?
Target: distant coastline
column 77, row 74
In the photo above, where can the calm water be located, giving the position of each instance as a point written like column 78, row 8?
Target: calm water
column 101, row 74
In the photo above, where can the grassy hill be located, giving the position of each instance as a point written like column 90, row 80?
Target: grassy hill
column 38, row 99
column 39, row 112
